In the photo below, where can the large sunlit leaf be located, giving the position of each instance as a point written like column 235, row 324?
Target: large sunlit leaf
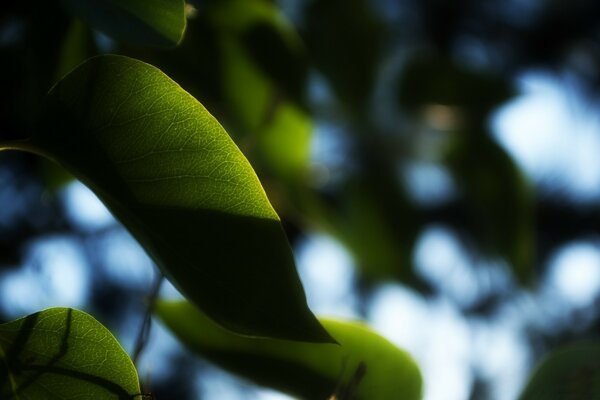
column 145, row 22
column 569, row 373
column 171, row 174
column 62, row 353
column 363, row 366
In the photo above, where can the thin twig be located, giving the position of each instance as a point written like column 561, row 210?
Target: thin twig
column 144, row 333
column 349, row 391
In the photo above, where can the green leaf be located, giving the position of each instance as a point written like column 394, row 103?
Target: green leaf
column 345, row 40
column 427, row 79
column 62, row 353
column 500, row 200
column 264, row 68
column 278, row 131
column 268, row 40
column 171, row 174
column 569, row 373
column 363, row 366
column 143, row 22
column 77, row 46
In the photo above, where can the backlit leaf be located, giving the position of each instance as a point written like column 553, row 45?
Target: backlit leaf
column 363, row 366
column 171, row 174
column 62, row 353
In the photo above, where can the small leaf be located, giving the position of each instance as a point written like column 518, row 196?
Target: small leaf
column 569, row 373
column 363, row 366
column 143, row 22
column 171, row 174
column 62, row 353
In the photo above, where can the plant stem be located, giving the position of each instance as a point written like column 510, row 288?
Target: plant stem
column 144, row 332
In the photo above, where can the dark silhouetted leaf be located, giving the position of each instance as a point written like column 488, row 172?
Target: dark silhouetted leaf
column 429, row 80
column 363, row 366
column 380, row 254
column 500, row 199
column 345, row 41
column 77, row 46
column 569, row 373
column 144, row 22
column 166, row 168
column 277, row 131
column 62, row 353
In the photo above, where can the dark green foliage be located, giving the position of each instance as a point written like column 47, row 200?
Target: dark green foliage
column 142, row 22
column 568, row 373
column 398, row 83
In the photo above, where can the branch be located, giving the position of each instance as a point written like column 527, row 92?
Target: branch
column 144, row 333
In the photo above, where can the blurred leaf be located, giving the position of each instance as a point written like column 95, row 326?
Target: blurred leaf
column 283, row 61
column 371, row 215
column 569, row 373
column 62, row 353
column 263, row 72
column 345, row 40
column 500, row 199
column 359, row 222
column 363, row 366
column 142, row 22
column 268, row 40
column 166, row 168
column 436, row 80
column 277, row 132
column 457, row 100
column 78, row 45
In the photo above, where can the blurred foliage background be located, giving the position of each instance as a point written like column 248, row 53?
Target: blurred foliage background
column 383, row 125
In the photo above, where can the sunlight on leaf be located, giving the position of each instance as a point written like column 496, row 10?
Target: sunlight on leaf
column 62, row 353
column 363, row 366
column 171, row 174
